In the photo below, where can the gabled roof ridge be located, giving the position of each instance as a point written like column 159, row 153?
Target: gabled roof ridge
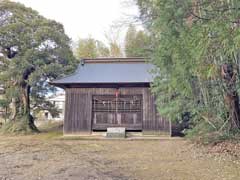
column 117, row 72
column 114, row 60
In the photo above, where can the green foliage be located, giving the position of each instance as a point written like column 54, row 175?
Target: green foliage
column 4, row 103
column 102, row 49
column 190, row 43
column 204, row 133
column 113, row 41
column 91, row 48
column 86, row 48
column 40, row 103
column 137, row 43
column 33, row 51
column 115, row 49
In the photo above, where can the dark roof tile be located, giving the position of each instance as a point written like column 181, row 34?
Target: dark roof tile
column 110, row 72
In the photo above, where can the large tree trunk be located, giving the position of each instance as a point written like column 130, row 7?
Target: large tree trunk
column 25, row 109
column 231, row 98
column 13, row 107
column 25, row 91
column 232, row 101
column 21, row 119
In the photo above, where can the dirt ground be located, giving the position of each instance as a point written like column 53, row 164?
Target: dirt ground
column 48, row 157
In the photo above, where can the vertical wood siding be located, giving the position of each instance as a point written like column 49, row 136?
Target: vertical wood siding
column 153, row 123
column 78, row 110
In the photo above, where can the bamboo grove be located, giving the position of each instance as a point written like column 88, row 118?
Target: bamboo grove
column 196, row 49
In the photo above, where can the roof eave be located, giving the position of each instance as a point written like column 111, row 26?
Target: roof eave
column 102, row 84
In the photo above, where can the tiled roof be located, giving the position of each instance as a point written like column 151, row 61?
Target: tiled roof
column 110, row 70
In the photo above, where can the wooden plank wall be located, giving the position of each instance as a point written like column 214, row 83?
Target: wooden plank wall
column 78, row 110
column 153, row 123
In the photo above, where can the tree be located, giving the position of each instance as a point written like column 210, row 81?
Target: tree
column 91, row 48
column 102, row 49
column 115, row 49
column 137, row 43
column 112, row 36
column 196, row 47
column 130, row 42
column 34, row 50
column 86, row 48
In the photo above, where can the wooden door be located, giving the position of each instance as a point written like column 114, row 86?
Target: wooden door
column 121, row 111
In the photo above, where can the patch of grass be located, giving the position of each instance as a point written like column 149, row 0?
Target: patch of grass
column 48, row 130
column 16, row 127
column 50, row 135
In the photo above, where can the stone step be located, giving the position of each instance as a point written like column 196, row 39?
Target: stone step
column 116, row 132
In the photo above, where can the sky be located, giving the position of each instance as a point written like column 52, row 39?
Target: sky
column 85, row 18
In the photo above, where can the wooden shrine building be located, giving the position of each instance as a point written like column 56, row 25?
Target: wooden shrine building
column 111, row 92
